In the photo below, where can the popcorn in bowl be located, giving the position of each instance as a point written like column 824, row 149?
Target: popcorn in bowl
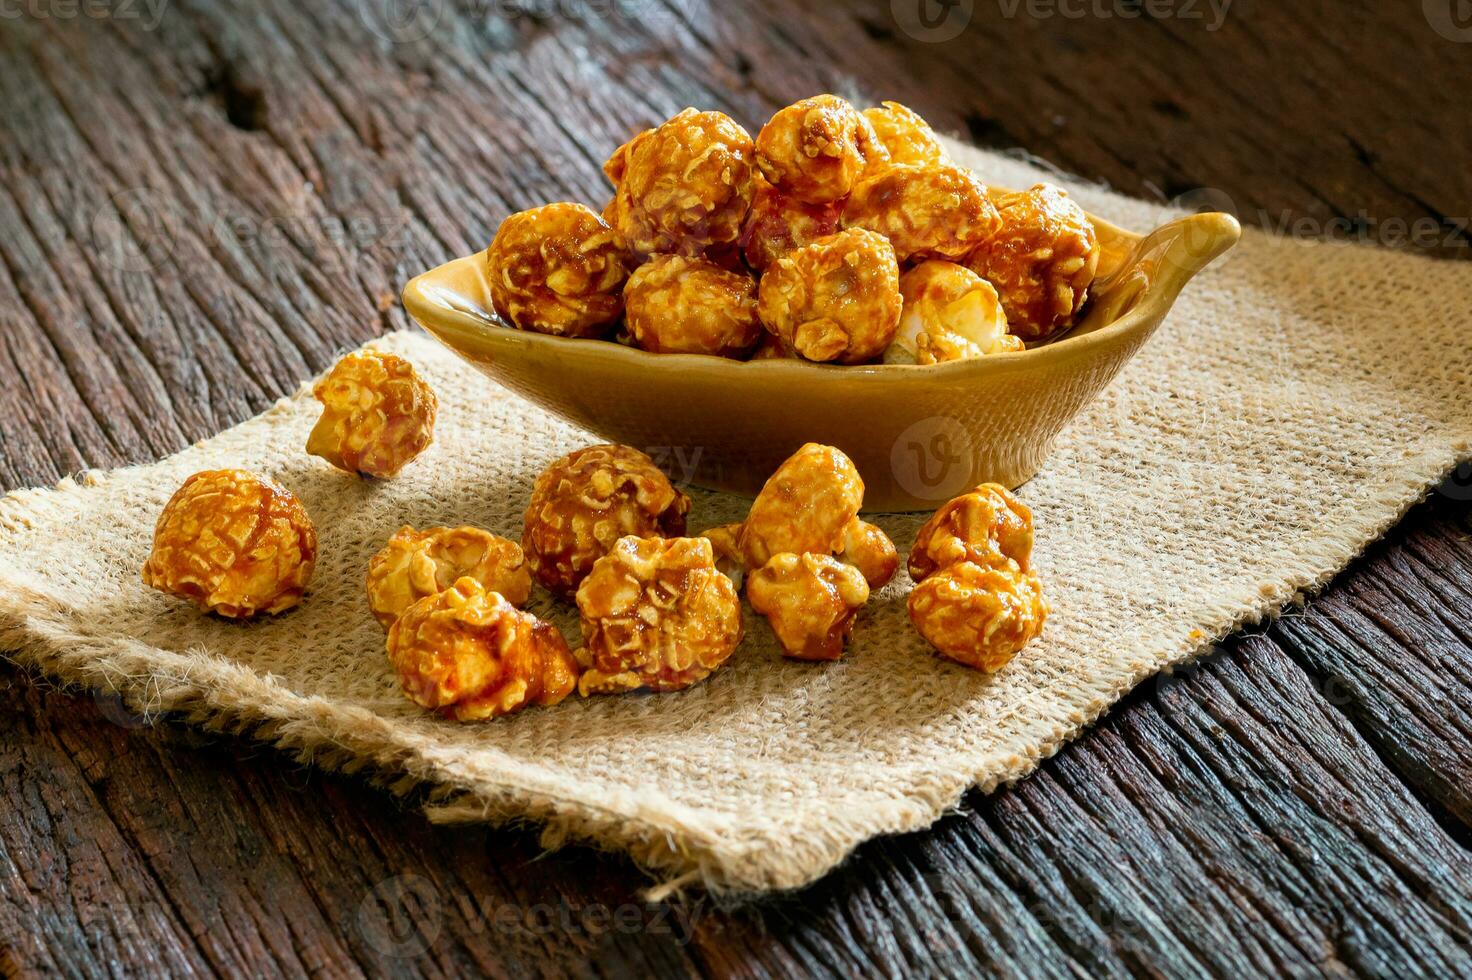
column 817, row 149
column 950, row 314
column 557, row 269
column 678, row 305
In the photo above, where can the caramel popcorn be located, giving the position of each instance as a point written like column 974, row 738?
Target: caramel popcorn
column 869, row 549
column 415, row 564
column 906, row 137
column 769, row 348
column 804, row 507
column 586, row 501
column 978, row 616
column 816, row 149
column 1042, row 260
column 692, row 306
column 234, row 544
column 938, row 211
column 557, row 269
column 810, row 601
column 470, row 655
column 779, row 222
column 725, row 544
column 950, row 314
column 377, row 414
column 655, row 614
column 837, row 299
column 988, row 526
column 683, row 188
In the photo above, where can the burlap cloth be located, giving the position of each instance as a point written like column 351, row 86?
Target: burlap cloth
column 1297, row 401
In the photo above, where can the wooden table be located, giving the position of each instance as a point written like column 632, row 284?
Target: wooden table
column 200, row 205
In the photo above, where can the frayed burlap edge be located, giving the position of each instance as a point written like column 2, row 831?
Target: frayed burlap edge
column 669, row 842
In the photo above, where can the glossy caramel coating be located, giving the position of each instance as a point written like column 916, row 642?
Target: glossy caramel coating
column 867, row 548
column 804, row 507
column 656, row 614
column 907, row 138
column 692, row 306
column 377, row 414
column 779, row 222
column 987, row 526
column 1042, row 260
column 683, row 188
column 470, row 655
column 837, row 299
column 415, row 564
column 586, row 501
column 939, row 211
column 817, row 149
column 234, row 544
column 557, row 269
column 979, row 616
column 810, row 602
column 950, row 314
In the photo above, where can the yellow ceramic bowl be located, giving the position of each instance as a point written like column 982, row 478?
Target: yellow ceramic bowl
column 919, row 435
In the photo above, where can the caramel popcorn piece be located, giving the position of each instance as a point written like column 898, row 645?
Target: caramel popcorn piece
column 415, row 564
column 906, row 137
column 470, row 655
column 804, row 507
column 656, row 614
column 557, row 269
column 692, row 306
column 1042, row 260
column 939, row 211
column 867, row 548
column 815, row 150
column 779, row 222
column 837, row 299
column 950, row 314
column 683, row 188
column 810, row 601
column 725, row 543
column 586, row 501
column 377, row 414
column 978, row 616
column 233, row 543
column 988, row 527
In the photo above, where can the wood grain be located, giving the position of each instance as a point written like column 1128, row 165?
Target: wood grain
column 197, row 216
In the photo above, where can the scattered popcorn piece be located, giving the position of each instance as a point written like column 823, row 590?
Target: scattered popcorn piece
column 937, row 211
column 950, row 314
column 907, row 138
column 725, row 542
column 470, row 655
column 377, row 414
column 415, row 564
column 867, row 548
column 978, row 616
column 557, row 269
column 692, row 306
column 1041, row 260
column 586, row 501
column 816, row 149
column 233, row 543
column 837, row 299
column 987, row 526
column 655, row 614
column 804, row 507
column 810, row 601
column 684, row 188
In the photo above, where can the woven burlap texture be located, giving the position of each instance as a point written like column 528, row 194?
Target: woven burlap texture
column 1299, row 398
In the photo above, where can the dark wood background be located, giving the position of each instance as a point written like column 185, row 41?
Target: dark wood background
column 201, row 203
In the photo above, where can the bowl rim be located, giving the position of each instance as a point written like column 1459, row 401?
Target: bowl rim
column 1220, row 231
